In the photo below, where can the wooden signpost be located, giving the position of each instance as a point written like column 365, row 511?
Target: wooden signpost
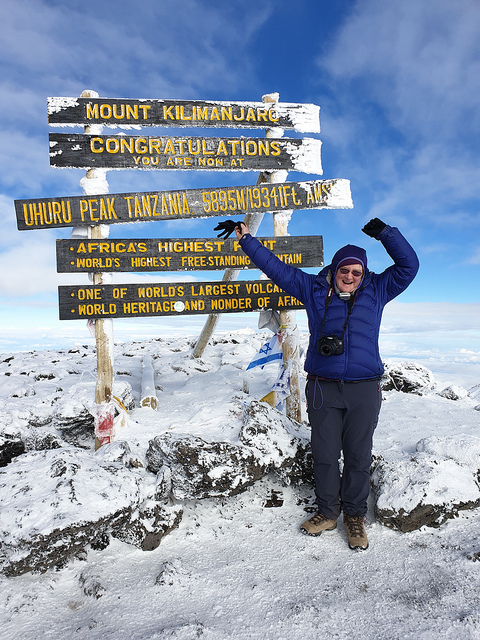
column 182, row 113
column 90, row 250
column 166, row 299
column 115, row 208
column 164, row 254
column 184, row 153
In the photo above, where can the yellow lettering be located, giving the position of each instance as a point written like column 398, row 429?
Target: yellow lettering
column 182, row 113
column 167, row 113
column 275, row 146
column 92, row 111
column 141, row 145
column 132, row 111
column 126, row 144
column 205, row 151
column 147, row 210
column 241, row 116
column 227, row 113
column 222, row 148
column 169, row 148
column 202, row 114
column 112, row 145
column 145, row 108
column 116, row 114
column 93, row 145
column 105, row 111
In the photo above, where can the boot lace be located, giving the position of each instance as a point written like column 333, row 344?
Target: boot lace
column 355, row 526
column 318, row 518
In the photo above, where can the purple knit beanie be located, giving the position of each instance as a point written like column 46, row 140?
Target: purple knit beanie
column 349, row 254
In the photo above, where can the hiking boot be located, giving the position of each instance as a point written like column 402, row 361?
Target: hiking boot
column 317, row 524
column 357, row 537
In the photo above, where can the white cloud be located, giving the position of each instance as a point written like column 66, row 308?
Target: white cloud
column 406, row 82
column 28, row 268
column 419, row 60
column 149, row 48
column 427, row 317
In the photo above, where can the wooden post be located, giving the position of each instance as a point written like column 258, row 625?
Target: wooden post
column 252, row 220
column 103, row 328
column 287, row 319
column 288, row 326
column 148, row 395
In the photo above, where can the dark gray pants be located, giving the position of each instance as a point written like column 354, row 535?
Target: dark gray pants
column 343, row 417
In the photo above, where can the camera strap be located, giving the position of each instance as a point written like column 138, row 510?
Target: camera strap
column 328, row 302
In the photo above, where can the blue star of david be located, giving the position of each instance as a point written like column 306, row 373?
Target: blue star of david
column 265, row 349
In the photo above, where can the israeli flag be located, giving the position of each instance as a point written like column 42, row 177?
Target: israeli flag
column 281, row 386
column 272, row 350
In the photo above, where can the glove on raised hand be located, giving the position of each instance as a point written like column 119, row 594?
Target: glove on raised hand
column 374, row 227
column 227, row 228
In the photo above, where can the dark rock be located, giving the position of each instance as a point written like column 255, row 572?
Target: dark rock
column 11, row 446
column 422, row 490
column 268, row 442
column 283, row 444
column 73, row 414
column 40, row 440
column 275, row 499
column 123, row 391
column 454, row 392
column 408, row 377
column 152, row 523
column 74, row 422
column 201, row 469
column 81, row 501
column 91, row 586
column 169, row 571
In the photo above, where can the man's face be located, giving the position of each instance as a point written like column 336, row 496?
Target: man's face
column 349, row 277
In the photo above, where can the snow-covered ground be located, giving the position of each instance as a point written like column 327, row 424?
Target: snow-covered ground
column 236, row 568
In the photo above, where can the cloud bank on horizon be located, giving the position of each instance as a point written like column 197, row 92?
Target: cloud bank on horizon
column 398, row 85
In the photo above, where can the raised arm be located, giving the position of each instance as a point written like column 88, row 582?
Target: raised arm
column 396, row 278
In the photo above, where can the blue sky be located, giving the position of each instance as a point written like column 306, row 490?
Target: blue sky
column 399, row 89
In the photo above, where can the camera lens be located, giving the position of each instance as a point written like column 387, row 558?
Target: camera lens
column 326, row 350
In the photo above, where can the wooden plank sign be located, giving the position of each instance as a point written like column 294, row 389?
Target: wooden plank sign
column 198, row 254
column 72, row 211
column 182, row 113
column 184, row 153
column 175, row 299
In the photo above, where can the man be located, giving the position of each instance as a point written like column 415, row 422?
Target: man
column 344, row 305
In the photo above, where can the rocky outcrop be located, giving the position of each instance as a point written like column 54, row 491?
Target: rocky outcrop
column 408, row 377
column 59, row 497
column 283, row 444
column 203, row 469
column 430, row 486
column 454, row 392
column 11, row 445
column 268, row 441
column 58, row 502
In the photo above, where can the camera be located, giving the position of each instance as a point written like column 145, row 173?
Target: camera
column 330, row 346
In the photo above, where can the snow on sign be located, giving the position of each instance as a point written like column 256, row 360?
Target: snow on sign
column 169, row 299
column 197, row 254
column 185, row 153
column 71, row 211
column 182, row 113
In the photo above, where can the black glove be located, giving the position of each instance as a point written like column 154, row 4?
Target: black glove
column 227, row 228
column 374, row 227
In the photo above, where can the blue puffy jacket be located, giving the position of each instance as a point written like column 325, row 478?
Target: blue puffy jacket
column 360, row 359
